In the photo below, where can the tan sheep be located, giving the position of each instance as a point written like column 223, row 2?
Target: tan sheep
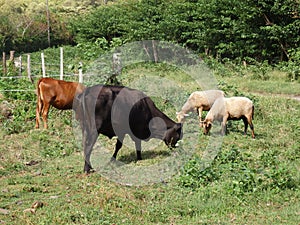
column 234, row 108
column 199, row 101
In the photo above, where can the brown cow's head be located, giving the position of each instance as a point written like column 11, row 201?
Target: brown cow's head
column 173, row 135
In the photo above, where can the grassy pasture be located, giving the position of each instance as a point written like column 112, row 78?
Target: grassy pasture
column 249, row 182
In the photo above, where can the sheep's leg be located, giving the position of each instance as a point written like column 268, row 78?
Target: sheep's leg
column 223, row 125
column 249, row 121
column 245, row 120
column 252, row 128
column 200, row 116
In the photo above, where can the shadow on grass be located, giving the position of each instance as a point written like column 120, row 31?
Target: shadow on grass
column 146, row 155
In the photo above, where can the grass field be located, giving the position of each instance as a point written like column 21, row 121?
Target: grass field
column 249, row 182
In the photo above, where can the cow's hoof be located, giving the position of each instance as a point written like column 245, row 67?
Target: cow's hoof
column 113, row 159
column 88, row 169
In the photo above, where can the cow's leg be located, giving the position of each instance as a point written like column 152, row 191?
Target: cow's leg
column 89, row 139
column 118, row 146
column 138, row 148
column 37, row 114
column 45, row 112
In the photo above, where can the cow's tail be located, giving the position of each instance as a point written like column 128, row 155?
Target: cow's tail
column 39, row 105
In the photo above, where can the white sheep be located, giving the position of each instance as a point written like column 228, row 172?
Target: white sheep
column 234, row 108
column 199, row 101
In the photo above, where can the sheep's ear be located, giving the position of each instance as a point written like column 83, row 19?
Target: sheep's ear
column 186, row 114
column 177, row 113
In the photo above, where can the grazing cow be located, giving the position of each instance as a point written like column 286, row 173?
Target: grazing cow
column 117, row 111
column 58, row 93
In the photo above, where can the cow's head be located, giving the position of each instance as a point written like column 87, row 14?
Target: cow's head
column 173, row 135
column 206, row 126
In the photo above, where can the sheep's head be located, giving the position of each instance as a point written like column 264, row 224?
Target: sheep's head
column 206, row 126
column 181, row 117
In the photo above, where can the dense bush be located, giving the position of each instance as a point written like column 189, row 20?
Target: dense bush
column 264, row 30
column 227, row 29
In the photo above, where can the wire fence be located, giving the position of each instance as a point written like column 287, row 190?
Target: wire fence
column 26, row 68
column 17, row 67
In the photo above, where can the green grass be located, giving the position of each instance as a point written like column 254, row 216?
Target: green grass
column 249, row 182
column 276, row 84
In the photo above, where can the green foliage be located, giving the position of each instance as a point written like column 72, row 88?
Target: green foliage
column 22, row 117
column 246, row 177
column 194, row 174
column 231, row 29
column 292, row 67
column 55, row 147
column 18, row 91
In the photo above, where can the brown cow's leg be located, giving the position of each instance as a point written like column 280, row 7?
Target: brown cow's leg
column 38, row 110
column 45, row 112
column 37, row 117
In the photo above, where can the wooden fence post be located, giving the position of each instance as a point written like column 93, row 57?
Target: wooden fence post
column 4, row 63
column 80, row 73
column 20, row 66
column 43, row 64
column 117, row 64
column 61, row 63
column 11, row 56
column 29, row 69
column 12, row 61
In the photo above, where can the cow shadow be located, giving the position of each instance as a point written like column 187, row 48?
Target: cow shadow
column 146, row 155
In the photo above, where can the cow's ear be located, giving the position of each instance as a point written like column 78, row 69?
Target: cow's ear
column 178, row 127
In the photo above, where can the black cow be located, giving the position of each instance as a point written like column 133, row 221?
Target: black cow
column 117, row 111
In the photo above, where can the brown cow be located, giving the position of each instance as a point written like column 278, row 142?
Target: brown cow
column 58, row 93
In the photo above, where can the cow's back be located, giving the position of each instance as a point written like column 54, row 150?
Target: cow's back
column 59, row 93
column 119, row 110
